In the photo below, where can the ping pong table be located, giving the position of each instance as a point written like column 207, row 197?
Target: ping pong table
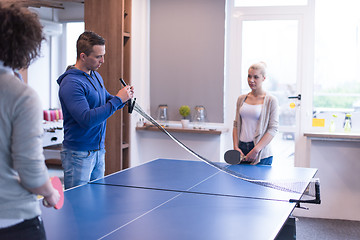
column 176, row 199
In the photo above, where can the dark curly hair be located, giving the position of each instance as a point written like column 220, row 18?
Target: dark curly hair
column 86, row 41
column 20, row 36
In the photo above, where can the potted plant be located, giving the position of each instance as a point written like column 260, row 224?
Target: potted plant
column 184, row 111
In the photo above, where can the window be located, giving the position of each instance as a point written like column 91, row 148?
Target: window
column 257, row 3
column 337, row 62
column 73, row 31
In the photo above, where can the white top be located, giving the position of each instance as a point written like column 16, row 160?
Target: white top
column 250, row 115
column 268, row 122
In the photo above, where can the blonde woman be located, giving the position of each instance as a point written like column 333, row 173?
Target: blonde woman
column 256, row 120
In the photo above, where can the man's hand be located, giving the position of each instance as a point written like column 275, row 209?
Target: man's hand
column 126, row 93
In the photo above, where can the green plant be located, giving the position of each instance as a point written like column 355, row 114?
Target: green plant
column 184, row 111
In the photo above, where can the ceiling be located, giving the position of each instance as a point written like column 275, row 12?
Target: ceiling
column 60, row 4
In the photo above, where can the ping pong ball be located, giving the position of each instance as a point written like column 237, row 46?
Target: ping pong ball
column 292, row 105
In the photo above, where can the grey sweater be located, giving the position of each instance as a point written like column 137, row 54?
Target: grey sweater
column 268, row 122
column 22, row 163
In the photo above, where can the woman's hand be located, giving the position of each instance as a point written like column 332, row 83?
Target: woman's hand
column 242, row 156
column 251, row 156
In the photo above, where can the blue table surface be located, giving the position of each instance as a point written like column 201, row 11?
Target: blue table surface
column 200, row 177
column 175, row 199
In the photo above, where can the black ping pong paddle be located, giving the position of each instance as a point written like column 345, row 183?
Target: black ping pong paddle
column 233, row 157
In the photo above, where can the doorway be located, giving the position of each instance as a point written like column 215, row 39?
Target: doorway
column 282, row 37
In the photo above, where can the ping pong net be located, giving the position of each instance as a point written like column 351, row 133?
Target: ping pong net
column 312, row 189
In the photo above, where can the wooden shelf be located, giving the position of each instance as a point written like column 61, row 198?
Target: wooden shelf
column 333, row 136
column 182, row 130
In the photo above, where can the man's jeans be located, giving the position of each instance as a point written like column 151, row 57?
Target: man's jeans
column 80, row 167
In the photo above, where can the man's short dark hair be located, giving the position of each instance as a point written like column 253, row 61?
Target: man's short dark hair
column 20, row 36
column 86, row 41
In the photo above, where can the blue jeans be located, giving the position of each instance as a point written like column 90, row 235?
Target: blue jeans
column 266, row 161
column 246, row 147
column 80, row 167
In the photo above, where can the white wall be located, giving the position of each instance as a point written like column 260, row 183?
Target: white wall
column 140, row 66
column 39, row 74
column 44, row 71
column 187, row 56
column 152, row 145
column 338, row 164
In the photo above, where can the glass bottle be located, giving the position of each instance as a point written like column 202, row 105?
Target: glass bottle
column 199, row 116
column 332, row 127
column 347, row 123
column 162, row 113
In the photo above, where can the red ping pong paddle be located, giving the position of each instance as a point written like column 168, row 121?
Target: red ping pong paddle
column 55, row 181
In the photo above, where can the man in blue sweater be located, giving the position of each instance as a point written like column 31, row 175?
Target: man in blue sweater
column 86, row 106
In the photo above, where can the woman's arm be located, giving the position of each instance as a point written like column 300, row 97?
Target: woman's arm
column 51, row 195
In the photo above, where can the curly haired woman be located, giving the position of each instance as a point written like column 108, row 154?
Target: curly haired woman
column 23, row 172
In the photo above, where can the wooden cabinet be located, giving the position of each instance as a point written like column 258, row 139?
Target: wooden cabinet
column 112, row 20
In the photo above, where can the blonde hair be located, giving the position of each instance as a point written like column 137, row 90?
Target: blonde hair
column 259, row 66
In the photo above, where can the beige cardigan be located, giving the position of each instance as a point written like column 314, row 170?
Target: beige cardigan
column 268, row 122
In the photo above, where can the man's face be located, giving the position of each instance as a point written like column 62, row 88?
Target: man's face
column 95, row 58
